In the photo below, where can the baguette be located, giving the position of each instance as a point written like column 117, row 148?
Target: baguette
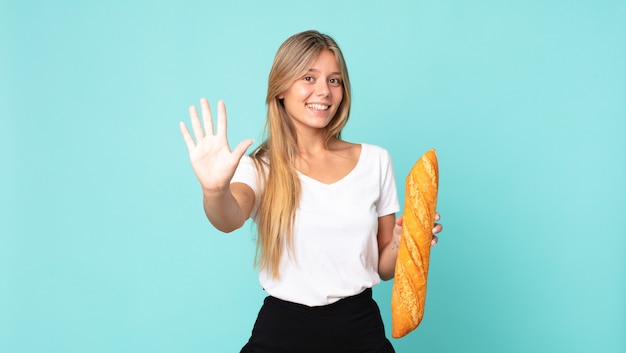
column 408, row 296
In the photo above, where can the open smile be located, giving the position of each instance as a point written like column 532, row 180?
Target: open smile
column 318, row 107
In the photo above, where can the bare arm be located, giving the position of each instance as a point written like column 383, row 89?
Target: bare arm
column 388, row 245
column 229, row 209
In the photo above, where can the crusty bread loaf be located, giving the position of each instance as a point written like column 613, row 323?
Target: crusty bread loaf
column 408, row 296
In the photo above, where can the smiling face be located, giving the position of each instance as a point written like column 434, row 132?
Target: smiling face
column 311, row 101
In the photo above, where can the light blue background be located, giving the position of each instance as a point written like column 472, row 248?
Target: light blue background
column 104, row 246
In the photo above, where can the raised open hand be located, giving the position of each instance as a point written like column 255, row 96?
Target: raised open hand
column 210, row 156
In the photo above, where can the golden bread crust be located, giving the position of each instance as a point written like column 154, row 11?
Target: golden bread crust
column 408, row 296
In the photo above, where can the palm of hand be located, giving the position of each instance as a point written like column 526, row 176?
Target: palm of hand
column 211, row 158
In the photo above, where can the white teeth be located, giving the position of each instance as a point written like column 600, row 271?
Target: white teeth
column 317, row 106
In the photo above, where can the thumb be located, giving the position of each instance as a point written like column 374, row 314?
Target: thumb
column 400, row 220
column 242, row 147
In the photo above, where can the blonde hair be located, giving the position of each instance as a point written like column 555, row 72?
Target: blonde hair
column 281, row 196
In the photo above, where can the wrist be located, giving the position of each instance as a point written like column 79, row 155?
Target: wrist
column 214, row 190
column 395, row 244
column 215, row 194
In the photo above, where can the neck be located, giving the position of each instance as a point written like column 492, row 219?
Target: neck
column 310, row 145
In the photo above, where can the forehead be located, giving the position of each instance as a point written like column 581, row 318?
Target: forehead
column 325, row 62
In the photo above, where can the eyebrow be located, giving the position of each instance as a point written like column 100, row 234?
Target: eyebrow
column 332, row 73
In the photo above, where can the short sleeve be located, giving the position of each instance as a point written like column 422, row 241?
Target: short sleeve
column 388, row 202
column 246, row 173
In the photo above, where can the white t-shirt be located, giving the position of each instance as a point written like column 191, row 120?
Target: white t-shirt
column 335, row 245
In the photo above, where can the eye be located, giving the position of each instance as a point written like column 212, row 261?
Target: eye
column 308, row 78
column 335, row 81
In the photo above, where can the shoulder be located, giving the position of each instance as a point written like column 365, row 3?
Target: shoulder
column 345, row 150
column 375, row 151
column 356, row 148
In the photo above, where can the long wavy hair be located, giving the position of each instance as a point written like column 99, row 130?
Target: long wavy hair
column 275, row 157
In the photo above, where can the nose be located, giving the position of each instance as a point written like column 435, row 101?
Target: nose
column 323, row 90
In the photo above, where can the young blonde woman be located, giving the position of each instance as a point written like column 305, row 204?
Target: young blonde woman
column 324, row 208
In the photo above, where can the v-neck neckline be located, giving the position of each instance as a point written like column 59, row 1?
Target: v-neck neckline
column 343, row 178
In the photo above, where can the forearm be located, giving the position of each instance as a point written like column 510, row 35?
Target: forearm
column 223, row 210
column 387, row 259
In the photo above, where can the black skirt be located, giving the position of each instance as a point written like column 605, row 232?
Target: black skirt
column 350, row 325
